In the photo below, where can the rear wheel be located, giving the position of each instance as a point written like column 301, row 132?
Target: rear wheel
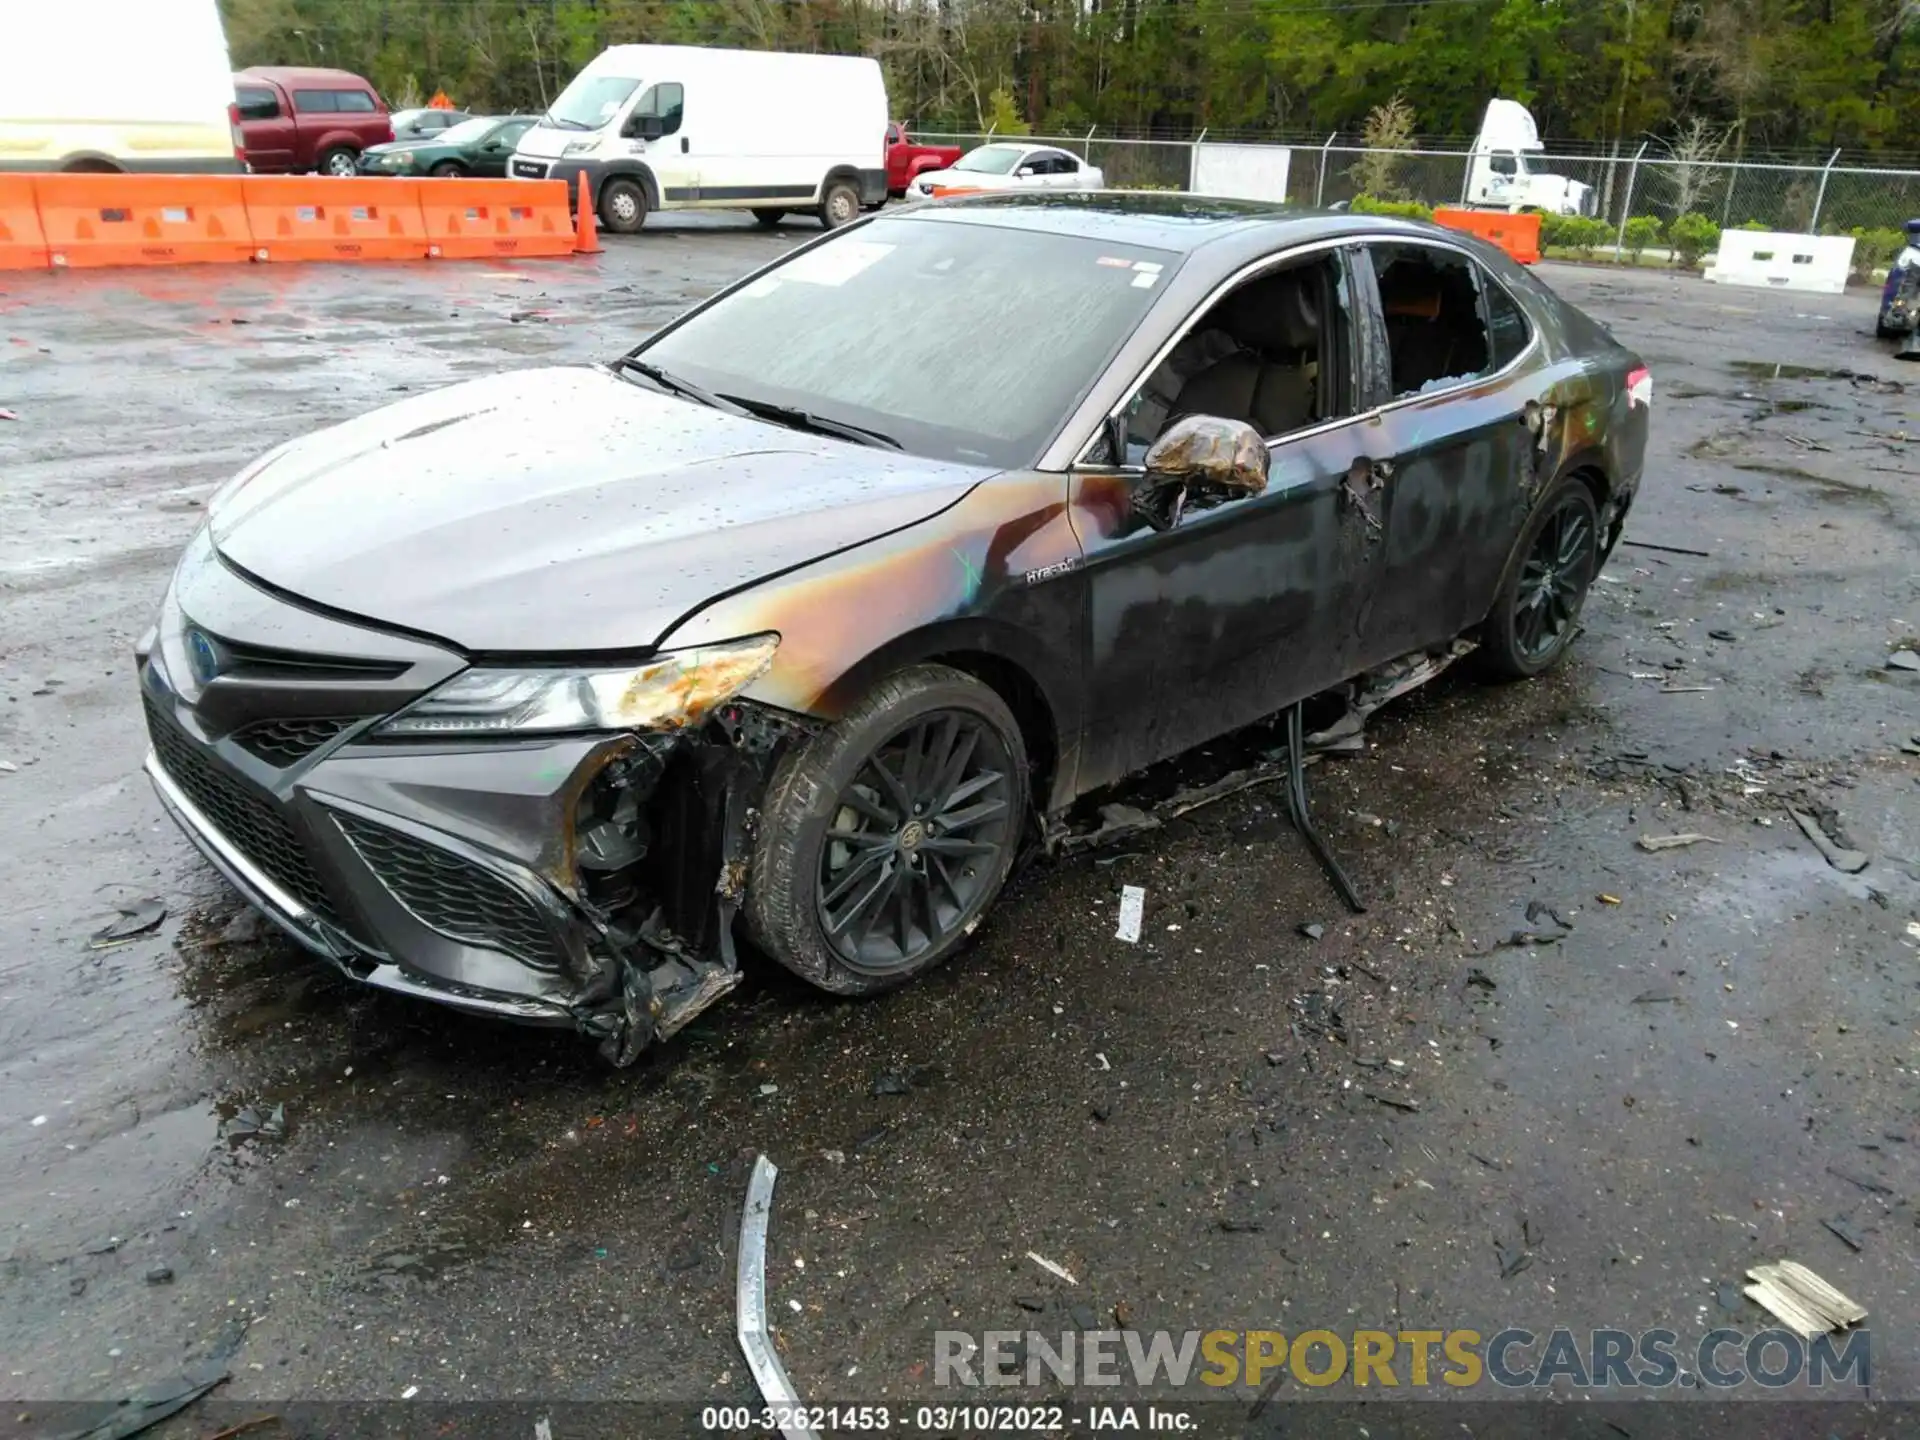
column 339, row 162
column 839, row 204
column 885, row 838
column 623, row 205
column 449, row 169
column 769, row 218
column 1537, row 613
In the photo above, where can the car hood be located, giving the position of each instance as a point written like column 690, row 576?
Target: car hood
column 555, row 510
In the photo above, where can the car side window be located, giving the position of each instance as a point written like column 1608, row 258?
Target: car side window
column 314, row 102
column 665, row 102
column 1053, row 162
column 1506, row 321
column 1436, row 334
column 510, row 133
column 257, row 103
column 1275, row 351
column 357, row 102
column 893, row 135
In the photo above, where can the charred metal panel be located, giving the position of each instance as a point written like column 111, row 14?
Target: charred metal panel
column 998, row 573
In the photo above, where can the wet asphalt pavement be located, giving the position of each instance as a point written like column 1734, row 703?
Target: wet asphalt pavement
column 1405, row 1123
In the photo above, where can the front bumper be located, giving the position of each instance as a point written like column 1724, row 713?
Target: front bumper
column 454, row 871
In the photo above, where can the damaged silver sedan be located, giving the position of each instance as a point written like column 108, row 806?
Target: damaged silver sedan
column 537, row 695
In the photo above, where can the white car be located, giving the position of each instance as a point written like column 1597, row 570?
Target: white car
column 1011, row 167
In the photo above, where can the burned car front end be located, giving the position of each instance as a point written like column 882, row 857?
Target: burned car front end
column 558, row 847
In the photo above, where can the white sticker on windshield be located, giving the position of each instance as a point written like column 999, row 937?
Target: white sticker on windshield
column 836, row 263
column 1152, row 267
column 1144, row 279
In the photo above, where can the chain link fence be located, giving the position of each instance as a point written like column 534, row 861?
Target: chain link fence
column 1829, row 198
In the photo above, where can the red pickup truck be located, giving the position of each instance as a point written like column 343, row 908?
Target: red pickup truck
column 906, row 159
column 298, row 119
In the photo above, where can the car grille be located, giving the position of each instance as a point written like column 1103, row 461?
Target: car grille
column 286, row 742
column 530, row 169
column 244, row 817
column 453, row 896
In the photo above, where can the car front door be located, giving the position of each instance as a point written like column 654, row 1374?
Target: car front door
column 1243, row 607
column 656, row 133
column 491, row 155
column 1453, row 447
column 265, row 127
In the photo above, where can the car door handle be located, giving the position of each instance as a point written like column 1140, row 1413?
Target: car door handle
column 683, row 144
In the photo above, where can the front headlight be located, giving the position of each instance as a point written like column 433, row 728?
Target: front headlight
column 674, row 691
column 400, row 160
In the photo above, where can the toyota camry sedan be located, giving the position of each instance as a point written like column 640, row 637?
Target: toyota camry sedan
column 543, row 695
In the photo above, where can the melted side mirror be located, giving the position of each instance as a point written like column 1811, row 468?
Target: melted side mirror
column 1201, row 458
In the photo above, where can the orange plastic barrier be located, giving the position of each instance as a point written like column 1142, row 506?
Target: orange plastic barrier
column 1518, row 235
column 304, row 217
column 23, row 245
column 469, row 219
column 93, row 220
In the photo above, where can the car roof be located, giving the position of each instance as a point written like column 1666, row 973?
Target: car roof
column 1164, row 220
column 304, row 75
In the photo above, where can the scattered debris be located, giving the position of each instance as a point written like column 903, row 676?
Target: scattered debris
column 1313, row 932
column 1864, row 1182
column 1668, row 549
column 1844, row 1232
column 1059, row 1272
column 1794, row 1294
column 750, row 1305
column 892, row 1082
column 155, row 1403
column 1674, row 842
column 1377, row 687
column 1512, row 1262
column 1656, row 997
column 1726, row 637
column 247, row 1123
column 1318, row 1016
column 1394, row 1102
column 1032, row 1304
column 1903, row 660
column 1241, row 1227
column 244, row 928
column 1686, row 689
column 1478, row 977
column 1847, row 861
column 8, row 415
column 135, row 920
column 1133, row 909
column 159, row 1274
column 769, row 1089
column 1606, row 899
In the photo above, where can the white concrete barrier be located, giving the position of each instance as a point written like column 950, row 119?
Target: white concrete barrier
column 1772, row 260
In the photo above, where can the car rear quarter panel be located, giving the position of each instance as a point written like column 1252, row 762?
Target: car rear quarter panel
column 996, row 575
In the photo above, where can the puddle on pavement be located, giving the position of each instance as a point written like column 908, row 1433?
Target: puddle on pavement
column 1774, row 370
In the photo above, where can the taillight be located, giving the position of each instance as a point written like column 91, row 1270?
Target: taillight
column 1640, row 386
column 239, row 136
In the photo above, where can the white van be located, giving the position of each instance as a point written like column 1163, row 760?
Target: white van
column 117, row 85
column 678, row 127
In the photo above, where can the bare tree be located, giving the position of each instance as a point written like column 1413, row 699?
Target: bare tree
column 1388, row 129
column 1687, row 163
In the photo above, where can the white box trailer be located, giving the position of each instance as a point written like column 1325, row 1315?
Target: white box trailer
column 685, row 127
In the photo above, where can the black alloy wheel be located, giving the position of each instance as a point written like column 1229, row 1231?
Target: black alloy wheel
column 916, row 842
column 1537, row 614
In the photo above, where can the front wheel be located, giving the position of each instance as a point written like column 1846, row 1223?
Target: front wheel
column 449, row 170
column 839, row 204
column 623, row 206
column 884, row 838
column 1537, row 612
column 339, row 162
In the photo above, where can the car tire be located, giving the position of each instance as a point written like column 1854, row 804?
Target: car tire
column 339, row 162
column 839, row 204
column 769, row 218
column 448, row 170
column 850, row 888
column 1537, row 612
column 623, row 205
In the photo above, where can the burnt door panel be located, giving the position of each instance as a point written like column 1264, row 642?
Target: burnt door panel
column 1226, row 618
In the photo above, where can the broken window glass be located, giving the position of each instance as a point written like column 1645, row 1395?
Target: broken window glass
column 1431, row 302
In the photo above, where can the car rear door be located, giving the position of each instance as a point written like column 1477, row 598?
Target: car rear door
column 266, row 127
column 1458, row 397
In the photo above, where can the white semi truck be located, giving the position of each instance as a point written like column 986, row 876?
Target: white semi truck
column 1499, row 176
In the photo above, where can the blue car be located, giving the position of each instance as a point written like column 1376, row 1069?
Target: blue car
column 1900, row 301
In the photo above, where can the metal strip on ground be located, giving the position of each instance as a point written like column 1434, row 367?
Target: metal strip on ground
column 750, row 1302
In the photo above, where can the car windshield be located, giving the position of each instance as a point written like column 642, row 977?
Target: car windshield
column 467, row 131
column 959, row 339
column 991, row 159
column 590, row 101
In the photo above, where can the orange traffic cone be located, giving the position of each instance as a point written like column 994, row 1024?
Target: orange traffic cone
column 586, row 239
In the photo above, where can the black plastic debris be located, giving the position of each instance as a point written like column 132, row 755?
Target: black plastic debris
column 117, row 1420
column 1315, row 1014
column 1512, row 1261
column 159, row 1274
column 1313, row 932
column 135, row 920
column 1841, row 857
column 1845, row 1233
column 248, row 1123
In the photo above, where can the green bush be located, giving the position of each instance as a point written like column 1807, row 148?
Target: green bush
column 1404, row 209
column 1692, row 235
column 1641, row 231
column 1581, row 234
column 1753, row 225
column 1874, row 249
